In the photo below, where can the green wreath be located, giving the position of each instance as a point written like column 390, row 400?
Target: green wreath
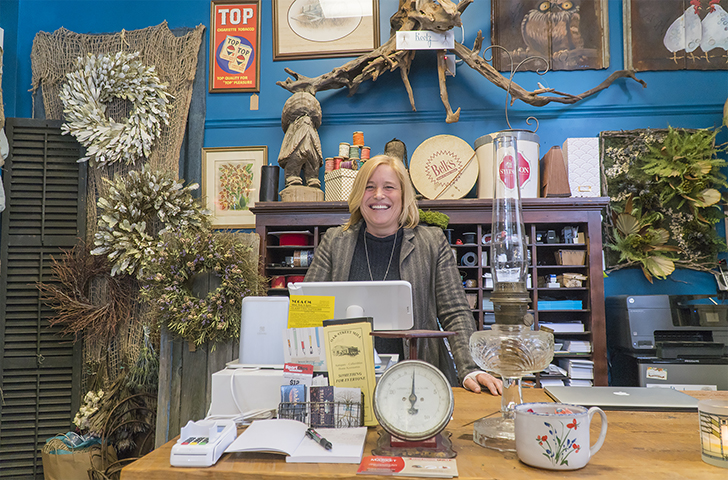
column 127, row 216
column 168, row 276
column 96, row 80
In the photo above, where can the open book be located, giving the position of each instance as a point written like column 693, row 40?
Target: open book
column 288, row 437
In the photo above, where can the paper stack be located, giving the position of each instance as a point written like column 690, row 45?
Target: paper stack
column 578, row 369
column 550, row 382
column 577, row 346
column 563, row 327
column 571, row 382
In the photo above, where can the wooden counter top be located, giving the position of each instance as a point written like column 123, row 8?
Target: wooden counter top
column 641, row 445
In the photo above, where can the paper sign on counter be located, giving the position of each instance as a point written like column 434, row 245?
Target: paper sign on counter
column 310, row 310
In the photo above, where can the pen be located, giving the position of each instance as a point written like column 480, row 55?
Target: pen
column 318, row 438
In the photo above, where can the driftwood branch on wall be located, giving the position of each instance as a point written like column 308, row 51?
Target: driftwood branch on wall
column 437, row 16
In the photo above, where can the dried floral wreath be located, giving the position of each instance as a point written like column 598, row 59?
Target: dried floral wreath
column 168, row 275
column 72, row 301
column 135, row 202
column 99, row 78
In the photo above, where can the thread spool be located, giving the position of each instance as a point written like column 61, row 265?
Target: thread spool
column 337, row 162
column 354, row 152
column 269, row 183
column 344, row 150
column 329, row 164
column 346, row 164
column 365, row 153
column 358, row 139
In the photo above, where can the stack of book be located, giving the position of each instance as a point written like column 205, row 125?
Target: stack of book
column 574, row 326
column 578, row 369
column 577, row 346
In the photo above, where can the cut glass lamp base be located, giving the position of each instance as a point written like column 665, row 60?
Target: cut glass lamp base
column 496, row 433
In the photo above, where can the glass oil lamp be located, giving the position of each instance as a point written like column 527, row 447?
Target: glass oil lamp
column 511, row 348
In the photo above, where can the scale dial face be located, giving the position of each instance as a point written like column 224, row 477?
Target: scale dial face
column 413, row 400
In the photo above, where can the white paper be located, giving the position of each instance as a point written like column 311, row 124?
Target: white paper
column 425, row 40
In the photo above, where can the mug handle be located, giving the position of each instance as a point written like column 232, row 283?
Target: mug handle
column 603, row 433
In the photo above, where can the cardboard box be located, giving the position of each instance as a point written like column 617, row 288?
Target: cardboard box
column 581, row 156
column 338, row 184
column 570, row 257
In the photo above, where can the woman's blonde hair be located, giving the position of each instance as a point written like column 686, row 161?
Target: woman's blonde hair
column 410, row 216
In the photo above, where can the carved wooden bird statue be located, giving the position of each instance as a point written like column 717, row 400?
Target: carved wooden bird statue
column 551, row 27
column 301, row 147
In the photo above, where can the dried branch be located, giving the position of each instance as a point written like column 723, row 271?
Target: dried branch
column 439, row 17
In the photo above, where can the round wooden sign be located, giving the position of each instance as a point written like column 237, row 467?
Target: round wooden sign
column 444, row 166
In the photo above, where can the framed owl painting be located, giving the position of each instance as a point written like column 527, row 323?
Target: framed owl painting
column 568, row 34
column 680, row 35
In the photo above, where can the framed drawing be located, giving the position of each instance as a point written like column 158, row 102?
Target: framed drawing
column 230, row 184
column 679, row 35
column 324, row 28
column 234, row 46
column 569, row 35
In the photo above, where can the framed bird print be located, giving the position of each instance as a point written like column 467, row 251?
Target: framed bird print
column 566, row 34
column 231, row 184
column 679, row 35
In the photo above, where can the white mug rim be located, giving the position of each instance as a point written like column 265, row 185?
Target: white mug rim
column 521, row 408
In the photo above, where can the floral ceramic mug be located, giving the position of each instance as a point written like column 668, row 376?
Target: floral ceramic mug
column 556, row 435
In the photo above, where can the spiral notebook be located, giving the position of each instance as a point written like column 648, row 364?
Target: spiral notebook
column 628, row 398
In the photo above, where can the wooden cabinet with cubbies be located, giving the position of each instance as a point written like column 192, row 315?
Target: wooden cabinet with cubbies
column 550, row 224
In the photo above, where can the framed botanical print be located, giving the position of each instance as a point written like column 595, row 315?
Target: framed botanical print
column 231, row 184
column 324, row 28
column 234, row 46
column 679, row 35
column 568, row 35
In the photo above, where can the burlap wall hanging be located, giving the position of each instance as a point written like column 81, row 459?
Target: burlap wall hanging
column 175, row 59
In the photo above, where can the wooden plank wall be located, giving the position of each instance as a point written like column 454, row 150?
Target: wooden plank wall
column 185, row 374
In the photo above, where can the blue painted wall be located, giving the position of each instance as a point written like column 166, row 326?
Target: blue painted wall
column 689, row 99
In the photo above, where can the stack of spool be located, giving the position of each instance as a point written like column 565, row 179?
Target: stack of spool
column 350, row 155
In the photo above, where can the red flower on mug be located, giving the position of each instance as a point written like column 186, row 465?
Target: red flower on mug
column 576, row 448
column 541, row 439
column 572, row 424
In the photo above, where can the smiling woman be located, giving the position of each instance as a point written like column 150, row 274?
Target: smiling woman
column 383, row 240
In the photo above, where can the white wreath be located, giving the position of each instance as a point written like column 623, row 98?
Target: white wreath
column 99, row 78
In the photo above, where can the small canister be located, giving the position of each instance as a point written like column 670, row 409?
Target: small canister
column 358, row 139
column 344, row 150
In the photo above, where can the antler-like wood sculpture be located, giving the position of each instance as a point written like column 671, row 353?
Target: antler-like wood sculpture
column 437, row 16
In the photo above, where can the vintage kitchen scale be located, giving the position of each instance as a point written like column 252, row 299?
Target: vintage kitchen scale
column 413, row 402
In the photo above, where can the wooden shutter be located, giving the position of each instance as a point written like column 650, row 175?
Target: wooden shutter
column 40, row 370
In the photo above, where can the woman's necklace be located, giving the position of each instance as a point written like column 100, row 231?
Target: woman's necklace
column 391, row 256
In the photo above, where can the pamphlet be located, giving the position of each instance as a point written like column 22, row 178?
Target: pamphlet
column 350, row 360
column 288, row 437
column 409, row 467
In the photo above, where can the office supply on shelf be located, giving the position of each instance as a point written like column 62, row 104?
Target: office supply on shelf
column 201, row 443
column 577, row 346
column 577, row 368
column 288, row 437
column 409, row 467
column 563, row 327
column 316, row 437
column 624, row 397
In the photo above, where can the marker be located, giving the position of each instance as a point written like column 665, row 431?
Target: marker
column 313, row 434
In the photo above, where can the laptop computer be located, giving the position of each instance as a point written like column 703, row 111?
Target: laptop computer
column 628, row 398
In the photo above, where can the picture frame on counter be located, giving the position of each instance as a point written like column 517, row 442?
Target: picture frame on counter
column 234, row 46
column 231, row 184
column 324, row 28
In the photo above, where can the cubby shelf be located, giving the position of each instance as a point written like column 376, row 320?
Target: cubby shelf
column 473, row 215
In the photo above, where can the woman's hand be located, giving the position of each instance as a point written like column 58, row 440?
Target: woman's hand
column 494, row 385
